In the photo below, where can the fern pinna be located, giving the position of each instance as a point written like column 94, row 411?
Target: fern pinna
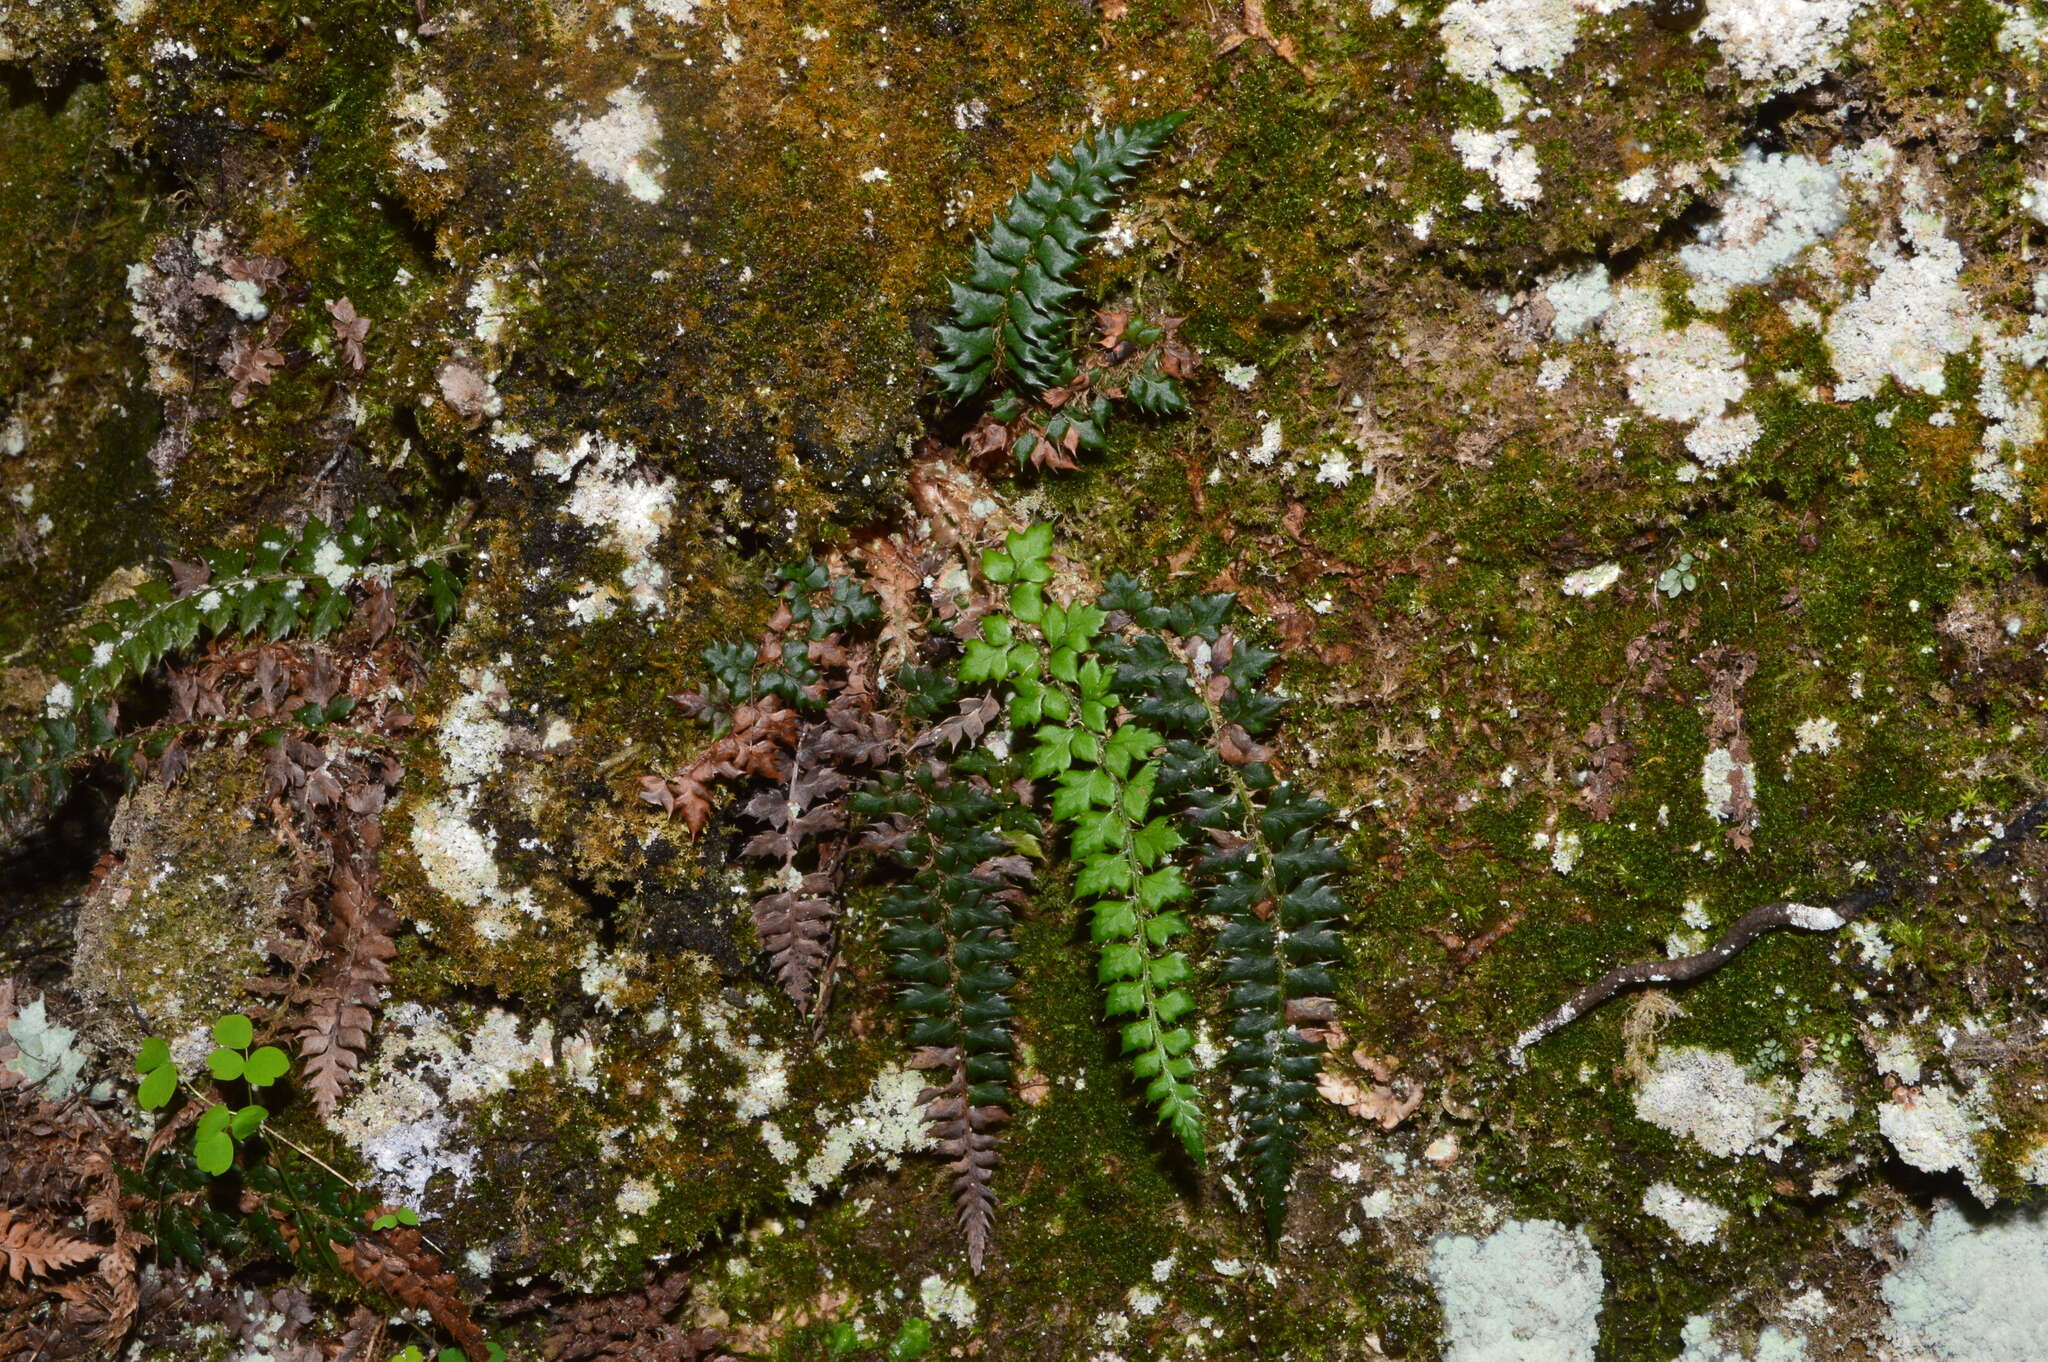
column 1267, row 872
column 1010, row 318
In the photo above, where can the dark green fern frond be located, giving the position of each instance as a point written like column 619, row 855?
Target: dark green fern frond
column 1277, row 946
column 304, row 584
column 948, row 937
column 1180, row 667
column 816, row 607
column 1010, row 317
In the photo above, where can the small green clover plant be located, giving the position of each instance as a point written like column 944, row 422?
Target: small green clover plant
column 159, row 1074
column 391, row 1220
column 411, row 1353
column 220, row 1127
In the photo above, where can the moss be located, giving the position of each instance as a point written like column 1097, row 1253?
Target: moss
column 80, row 496
column 757, row 331
column 173, row 930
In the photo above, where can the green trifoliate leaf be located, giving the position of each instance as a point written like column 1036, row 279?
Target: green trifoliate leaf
column 234, row 1030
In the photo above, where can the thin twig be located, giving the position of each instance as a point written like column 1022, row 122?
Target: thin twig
column 1753, row 924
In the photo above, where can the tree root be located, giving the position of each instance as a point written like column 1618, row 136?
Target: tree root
column 1768, row 917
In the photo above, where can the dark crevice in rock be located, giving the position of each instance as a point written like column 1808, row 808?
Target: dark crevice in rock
column 44, row 877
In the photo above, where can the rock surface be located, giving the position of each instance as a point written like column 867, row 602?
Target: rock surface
column 1624, row 418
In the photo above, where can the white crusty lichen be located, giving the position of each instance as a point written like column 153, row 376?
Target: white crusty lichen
column 762, row 1086
column 1688, row 374
column 1935, row 1129
column 948, row 1302
column 471, row 739
column 1772, row 1345
column 406, row 1119
column 1578, row 300
column 1819, row 735
column 1821, row 1103
column 1485, row 38
column 637, row 1196
column 887, row 1123
column 1910, row 318
column 629, row 508
column 460, row 860
column 1776, row 206
column 1504, row 158
column 1707, row 1097
column 47, row 1055
column 1590, row 582
column 618, row 145
column 1789, row 43
column 1528, row 1292
column 1726, row 782
column 424, row 108
column 1694, row 1220
column 1971, row 1292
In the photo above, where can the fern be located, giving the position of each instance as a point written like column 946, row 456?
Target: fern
column 798, row 709
column 1142, row 728
column 285, row 584
column 28, row 1249
column 1010, row 318
column 1061, row 693
column 948, row 937
column 1267, row 874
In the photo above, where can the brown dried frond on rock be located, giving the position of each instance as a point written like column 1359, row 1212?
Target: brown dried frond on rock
column 805, row 728
column 1382, row 1094
column 30, row 1249
column 350, row 331
column 339, row 944
column 62, row 1209
column 1145, row 364
column 396, row 1263
column 249, row 362
column 806, row 834
column 633, row 1326
column 966, row 1137
column 327, row 790
column 762, row 738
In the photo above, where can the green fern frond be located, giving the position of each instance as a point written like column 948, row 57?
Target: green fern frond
column 1104, row 774
column 1178, row 666
column 816, row 606
column 1010, row 316
column 284, row 584
column 948, row 938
